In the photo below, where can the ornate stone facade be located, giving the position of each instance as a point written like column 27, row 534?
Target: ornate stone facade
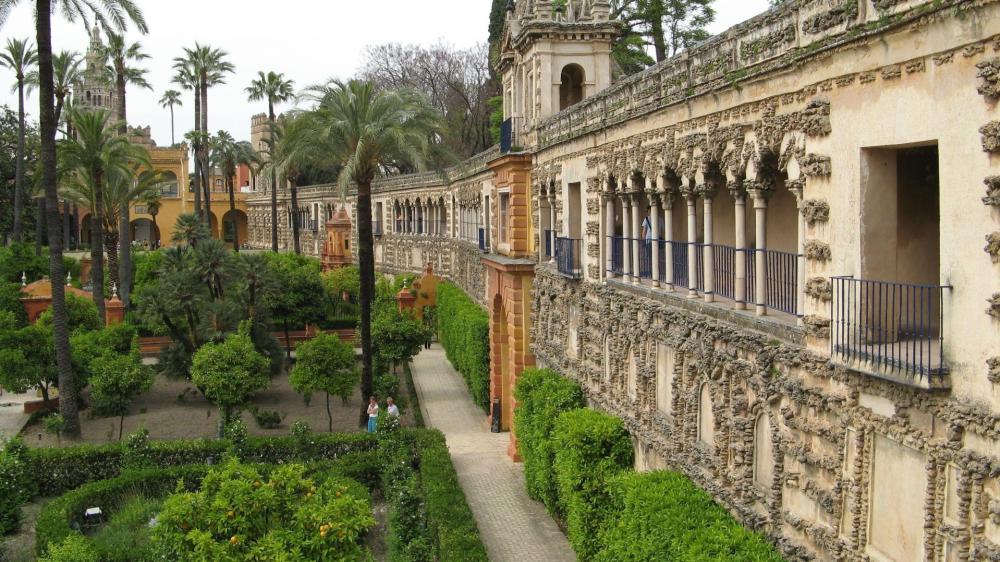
column 726, row 250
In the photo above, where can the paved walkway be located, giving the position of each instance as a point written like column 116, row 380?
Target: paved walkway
column 514, row 527
column 12, row 416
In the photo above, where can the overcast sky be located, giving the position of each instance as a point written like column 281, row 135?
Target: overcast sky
column 308, row 40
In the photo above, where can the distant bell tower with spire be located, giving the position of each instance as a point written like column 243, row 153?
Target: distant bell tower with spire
column 95, row 91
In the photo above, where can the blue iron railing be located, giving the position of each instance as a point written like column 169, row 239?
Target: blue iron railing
column 886, row 326
column 617, row 261
column 680, row 251
column 781, row 272
column 549, row 241
column 645, row 258
column 568, row 257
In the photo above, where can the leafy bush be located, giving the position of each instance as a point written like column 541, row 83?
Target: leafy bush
column 86, row 346
column 80, row 312
column 16, row 483
column 664, row 516
column 239, row 514
column 266, row 419
column 74, row 548
column 591, row 449
column 10, row 301
column 229, row 373
column 541, row 396
column 464, row 331
column 116, row 380
column 325, row 364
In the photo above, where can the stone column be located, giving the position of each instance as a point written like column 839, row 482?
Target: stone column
column 740, row 287
column 654, row 214
column 692, row 244
column 709, row 262
column 609, row 231
column 800, row 277
column 552, row 223
column 636, row 235
column 668, row 237
column 626, row 237
column 760, row 262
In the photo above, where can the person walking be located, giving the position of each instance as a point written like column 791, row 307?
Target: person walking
column 372, row 414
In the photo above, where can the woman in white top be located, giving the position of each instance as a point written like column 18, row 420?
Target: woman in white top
column 372, row 414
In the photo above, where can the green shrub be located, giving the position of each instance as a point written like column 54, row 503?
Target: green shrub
column 541, row 396
column 125, row 538
column 266, row 419
column 451, row 520
column 74, row 548
column 464, row 332
column 239, row 513
column 664, row 516
column 230, row 372
column 10, row 301
column 16, row 484
column 591, row 449
column 81, row 313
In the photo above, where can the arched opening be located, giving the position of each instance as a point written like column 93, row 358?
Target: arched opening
column 168, row 185
column 571, row 86
column 763, row 453
column 234, row 227
column 145, row 233
column 706, row 417
column 213, row 226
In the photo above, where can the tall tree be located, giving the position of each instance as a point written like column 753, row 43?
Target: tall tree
column 19, row 56
column 169, row 100
column 228, row 155
column 120, row 56
column 210, row 68
column 115, row 13
column 294, row 150
column 668, row 26
column 368, row 131
column 274, row 88
column 186, row 77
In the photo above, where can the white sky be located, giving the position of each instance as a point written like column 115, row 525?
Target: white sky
column 310, row 41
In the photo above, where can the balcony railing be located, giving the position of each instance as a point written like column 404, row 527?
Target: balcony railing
column 886, row 327
column 617, row 259
column 550, row 236
column 680, row 260
column 568, row 257
column 645, row 258
column 781, row 271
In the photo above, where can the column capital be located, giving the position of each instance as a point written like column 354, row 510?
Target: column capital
column 667, row 198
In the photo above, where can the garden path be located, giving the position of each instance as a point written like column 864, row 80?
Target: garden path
column 514, row 527
column 12, row 416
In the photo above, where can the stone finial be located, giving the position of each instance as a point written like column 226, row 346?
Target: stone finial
column 69, row 278
column 24, row 279
column 991, row 136
column 992, row 191
column 816, row 210
column 993, row 246
column 114, row 290
column 817, row 251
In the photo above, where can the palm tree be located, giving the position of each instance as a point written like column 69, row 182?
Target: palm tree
column 153, row 202
column 86, row 164
column 169, row 100
column 210, row 67
column 119, row 55
column 367, row 131
column 227, row 155
column 275, row 89
column 294, row 149
column 67, row 71
column 109, row 13
column 187, row 79
column 19, row 56
column 124, row 189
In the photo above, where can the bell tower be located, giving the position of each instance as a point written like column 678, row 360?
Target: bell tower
column 554, row 54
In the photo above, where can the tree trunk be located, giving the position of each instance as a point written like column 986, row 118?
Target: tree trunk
column 156, row 232
column 295, row 215
column 59, row 107
column 97, row 254
column 47, row 129
column 288, row 340
column 19, row 166
column 111, row 248
column 173, row 141
column 121, row 426
column 204, row 151
column 120, row 87
column 67, row 222
column 656, row 30
column 366, row 267
column 329, row 416
column 125, row 255
column 274, row 178
column 232, row 214
column 196, row 147
column 39, row 224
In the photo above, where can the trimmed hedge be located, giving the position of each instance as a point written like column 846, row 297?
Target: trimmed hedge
column 542, row 395
column 448, row 512
column 664, row 516
column 58, row 470
column 16, row 484
column 464, row 332
column 591, row 448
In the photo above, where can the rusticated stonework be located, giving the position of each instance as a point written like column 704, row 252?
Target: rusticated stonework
column 991, row 136
column 992, row 191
